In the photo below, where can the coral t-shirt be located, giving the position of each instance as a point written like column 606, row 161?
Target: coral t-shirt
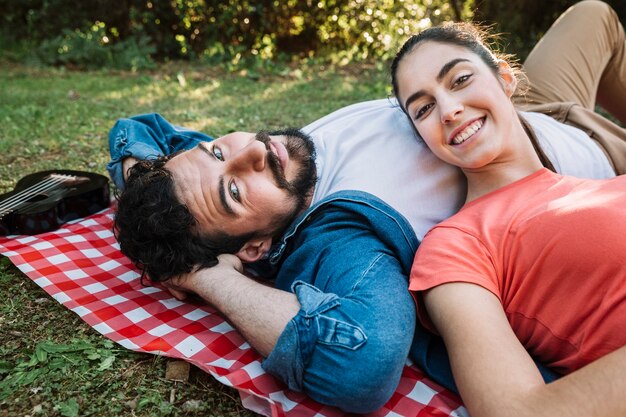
column 552, row 248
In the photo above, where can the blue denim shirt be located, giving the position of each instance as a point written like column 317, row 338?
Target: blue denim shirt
column 322, row 263
column 347, row 259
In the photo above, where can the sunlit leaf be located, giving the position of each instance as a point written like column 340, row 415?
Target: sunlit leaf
column 68, row 408
column 106, row 363
column 41, row 354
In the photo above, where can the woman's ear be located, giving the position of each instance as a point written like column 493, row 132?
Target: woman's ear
column 254, row 249
column 507, row 78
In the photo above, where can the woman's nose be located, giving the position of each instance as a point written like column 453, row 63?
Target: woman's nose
column 449, row 109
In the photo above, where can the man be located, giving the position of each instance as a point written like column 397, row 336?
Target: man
column 338, row 323
column 334, row 320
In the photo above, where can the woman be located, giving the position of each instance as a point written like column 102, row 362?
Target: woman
column 534, row 261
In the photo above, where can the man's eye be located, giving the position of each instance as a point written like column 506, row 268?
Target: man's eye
column 234, row 191
column 218, row 153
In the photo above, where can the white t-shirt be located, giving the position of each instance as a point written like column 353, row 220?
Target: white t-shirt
column 570, row 149
column 372, row 147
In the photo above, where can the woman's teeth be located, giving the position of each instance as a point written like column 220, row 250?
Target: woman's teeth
column 467, row 132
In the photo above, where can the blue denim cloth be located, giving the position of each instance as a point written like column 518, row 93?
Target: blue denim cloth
column 347, row 259
column 147, row 136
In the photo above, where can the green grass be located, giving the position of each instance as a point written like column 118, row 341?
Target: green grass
column 51, row 363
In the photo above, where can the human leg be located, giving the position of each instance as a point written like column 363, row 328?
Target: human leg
column 580, row 59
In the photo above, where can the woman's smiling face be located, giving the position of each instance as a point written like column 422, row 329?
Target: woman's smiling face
column 459, row 106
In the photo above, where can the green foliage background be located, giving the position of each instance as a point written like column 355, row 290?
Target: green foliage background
column 134, row 33
column 53, row 364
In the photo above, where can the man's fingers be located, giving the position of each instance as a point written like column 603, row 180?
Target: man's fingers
column 179, row 295
column 231, row 260
column 173, row 288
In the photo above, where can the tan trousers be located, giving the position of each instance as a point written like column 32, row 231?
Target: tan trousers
column 579, row 62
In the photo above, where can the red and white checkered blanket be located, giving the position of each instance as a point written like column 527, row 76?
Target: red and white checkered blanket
column 81, row 266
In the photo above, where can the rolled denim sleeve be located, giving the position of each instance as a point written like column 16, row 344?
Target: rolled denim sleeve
column 349, row 342
column 310, row 326
column 146, row 136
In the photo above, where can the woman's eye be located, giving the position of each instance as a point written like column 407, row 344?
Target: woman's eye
column 218, row 153
column 422, row 110
column 462, row 79
column 234, row 191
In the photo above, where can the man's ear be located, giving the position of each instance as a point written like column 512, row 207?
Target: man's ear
column 507, row 78
column 254, row 249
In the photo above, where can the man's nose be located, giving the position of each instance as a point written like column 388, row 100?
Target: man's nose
column 250, row 157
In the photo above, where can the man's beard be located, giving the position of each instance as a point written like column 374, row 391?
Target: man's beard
column 301, row 151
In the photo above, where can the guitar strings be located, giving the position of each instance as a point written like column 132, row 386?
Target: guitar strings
column 23, row 196
column 44, row 185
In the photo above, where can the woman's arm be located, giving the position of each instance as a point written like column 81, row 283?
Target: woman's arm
column 496, row 376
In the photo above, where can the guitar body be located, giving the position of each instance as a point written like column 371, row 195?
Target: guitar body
column 43, row 211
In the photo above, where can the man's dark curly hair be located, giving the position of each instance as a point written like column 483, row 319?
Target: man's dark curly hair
column 157, row 232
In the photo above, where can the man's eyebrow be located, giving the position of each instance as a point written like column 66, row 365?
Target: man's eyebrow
column 206, row 150
column 442, row 73
column 220, row 186
column 223, row 198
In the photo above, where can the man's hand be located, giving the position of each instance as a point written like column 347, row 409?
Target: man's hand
column 176, row 292
column 127, row 163
column 258, row 311
column 226, row 263
column 180, row 286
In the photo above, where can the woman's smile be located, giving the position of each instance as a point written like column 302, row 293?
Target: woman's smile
column 465, row 132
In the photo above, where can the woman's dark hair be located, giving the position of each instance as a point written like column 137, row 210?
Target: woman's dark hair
column 157, row 232
column 470, row 36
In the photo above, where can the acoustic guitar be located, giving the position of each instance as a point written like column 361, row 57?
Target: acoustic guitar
column 43, row 201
